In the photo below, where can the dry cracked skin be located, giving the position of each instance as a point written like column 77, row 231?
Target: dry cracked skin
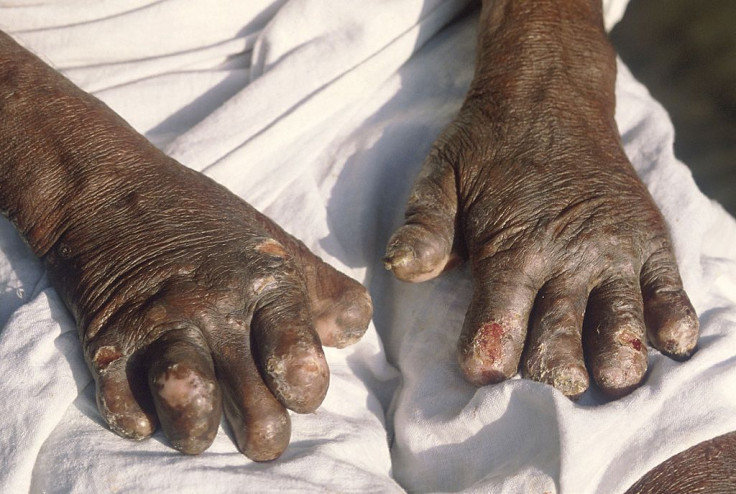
column 190, row 302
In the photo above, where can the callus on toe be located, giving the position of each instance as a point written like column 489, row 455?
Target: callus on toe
column 571, row 380
column 558, row 370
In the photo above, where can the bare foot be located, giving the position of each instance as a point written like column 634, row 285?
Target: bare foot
column 571, row 259
column 187, row 299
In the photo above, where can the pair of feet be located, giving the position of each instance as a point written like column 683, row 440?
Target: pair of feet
column 189, row 302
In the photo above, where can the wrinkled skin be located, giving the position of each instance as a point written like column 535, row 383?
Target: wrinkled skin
column 188, row 301
column 706, row 467
column 571, row 259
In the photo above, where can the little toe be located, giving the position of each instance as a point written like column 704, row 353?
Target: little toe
column 672, row 324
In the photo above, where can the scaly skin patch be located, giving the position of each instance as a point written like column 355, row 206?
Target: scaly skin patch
column 180, row 387
column 486, row 359
column 300, row 378
column 272, row 248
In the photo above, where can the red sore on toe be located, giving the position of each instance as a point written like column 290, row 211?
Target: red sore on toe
column 636, row 343
column 482, row 361
column 487, row 342
column 493, row 329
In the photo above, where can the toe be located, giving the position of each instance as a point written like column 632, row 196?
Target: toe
column 123, row 404
column 341, row 307
column 288, row 349
column 614, row 335
column 554, row 353
column 672, row 325
column 495, row 326
column 186, row 395
column 258, row 420
column 422, row 248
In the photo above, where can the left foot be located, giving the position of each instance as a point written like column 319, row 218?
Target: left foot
column 571, row 259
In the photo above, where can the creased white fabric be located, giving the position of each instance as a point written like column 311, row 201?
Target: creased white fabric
column 320, row 114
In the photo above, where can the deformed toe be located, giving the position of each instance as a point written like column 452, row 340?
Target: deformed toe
column 345, row 322
column 266, row 438
column 299, row 379
column 621, row 369
column 672, row 325
column 120, row 409
column 490, row 356
column 188, row 406
column 415, row 255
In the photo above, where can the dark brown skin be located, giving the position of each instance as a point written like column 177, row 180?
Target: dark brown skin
column 187, row 299
column 571, row 260
column 708, row 467
column 572, row 263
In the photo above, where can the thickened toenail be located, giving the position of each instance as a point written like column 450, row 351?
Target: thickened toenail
column 398, row 256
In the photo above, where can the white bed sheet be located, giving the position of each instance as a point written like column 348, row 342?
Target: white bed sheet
column 319, row 114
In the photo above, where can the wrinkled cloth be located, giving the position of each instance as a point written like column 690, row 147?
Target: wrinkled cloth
column 320, row 114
